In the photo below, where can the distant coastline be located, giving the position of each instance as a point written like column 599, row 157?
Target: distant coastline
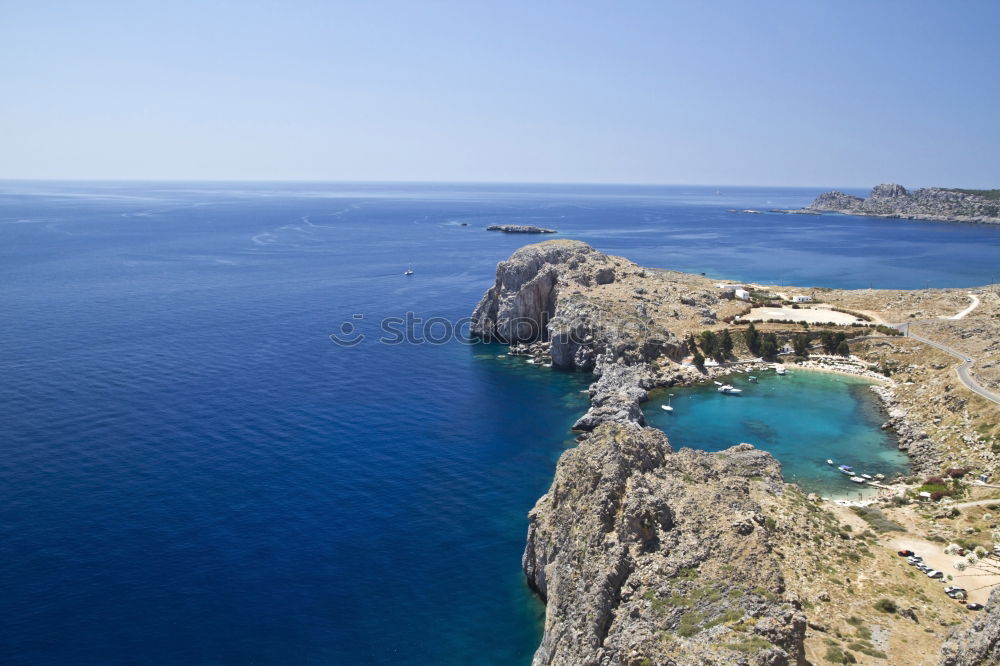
column 930, row 203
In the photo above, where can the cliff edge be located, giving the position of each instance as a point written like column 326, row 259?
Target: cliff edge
column 646, row 556
column 581, row 307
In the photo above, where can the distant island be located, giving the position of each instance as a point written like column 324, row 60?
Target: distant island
column 519, row 229
column 928, row 203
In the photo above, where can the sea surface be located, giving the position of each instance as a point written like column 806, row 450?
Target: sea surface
column 193, row 472
column 802, row 418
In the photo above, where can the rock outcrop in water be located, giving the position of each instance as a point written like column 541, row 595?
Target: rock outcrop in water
column 978, row 644
column 646, row 556
column 519, row 229
column 930, row 203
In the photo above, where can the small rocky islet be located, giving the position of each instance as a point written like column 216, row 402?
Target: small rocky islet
column 646, row 555
column 520, row 229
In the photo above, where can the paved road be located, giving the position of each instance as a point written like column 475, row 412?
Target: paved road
column 962, row 370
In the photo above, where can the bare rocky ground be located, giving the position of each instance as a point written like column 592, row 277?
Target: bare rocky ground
column 649, row 556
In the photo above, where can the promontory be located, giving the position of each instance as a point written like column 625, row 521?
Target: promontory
column 929, row 203
column 645, row 555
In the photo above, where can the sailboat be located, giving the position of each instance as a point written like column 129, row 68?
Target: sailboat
column 667, row 407
column 409, row 270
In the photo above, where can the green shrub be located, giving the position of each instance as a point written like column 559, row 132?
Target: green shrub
column 837, row 656
column 886, row 605
column 690, row 624
column 749, row 645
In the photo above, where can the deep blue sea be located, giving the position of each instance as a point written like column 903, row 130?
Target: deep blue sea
column 194, row 473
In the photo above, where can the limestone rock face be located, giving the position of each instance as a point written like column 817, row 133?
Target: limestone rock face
column 929, row 203
column 518, row 307
column 836, row 201
column 546, row 292
column 646, row 556
column 979, row 643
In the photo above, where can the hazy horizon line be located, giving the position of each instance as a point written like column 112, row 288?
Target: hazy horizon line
column 452, row 182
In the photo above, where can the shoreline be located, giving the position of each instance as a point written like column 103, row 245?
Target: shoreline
column 575, row 296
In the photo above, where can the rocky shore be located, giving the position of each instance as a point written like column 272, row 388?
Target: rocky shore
column 645, row 555
column 930, row 203
column 911, row 436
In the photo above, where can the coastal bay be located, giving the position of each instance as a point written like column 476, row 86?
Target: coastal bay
column 625, row 504
column 184, row 433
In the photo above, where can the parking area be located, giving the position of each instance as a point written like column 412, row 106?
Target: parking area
column 978, row 581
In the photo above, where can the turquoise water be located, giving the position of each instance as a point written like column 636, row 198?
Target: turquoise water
column 803, row 418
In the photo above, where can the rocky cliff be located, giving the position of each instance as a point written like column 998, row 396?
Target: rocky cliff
column 587, row 307
column 931, row 203
column 646, row 556
column 978, row 644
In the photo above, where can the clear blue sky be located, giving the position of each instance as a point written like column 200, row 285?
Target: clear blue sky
column 796, row 92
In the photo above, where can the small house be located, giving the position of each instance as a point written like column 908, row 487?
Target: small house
column 742, row 294
column 801, row 298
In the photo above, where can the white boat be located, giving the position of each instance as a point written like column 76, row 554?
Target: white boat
column 753, row 380
column 866, row 477
column 780, row 369
column 858, row 479
column 847, row 469
column 829, row 462
column 717, row 383
column 408, row 271
column 729, row 390
column 667, row 407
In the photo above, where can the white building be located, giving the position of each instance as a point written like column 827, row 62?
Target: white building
column 742, row 294
column 801, row 298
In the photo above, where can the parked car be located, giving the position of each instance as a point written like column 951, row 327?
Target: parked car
column 906, row 553
column 974, row 606
column 934, row 573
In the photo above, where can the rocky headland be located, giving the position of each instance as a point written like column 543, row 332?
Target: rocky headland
column 929, row 203
column 646, row 555
column 520, row 229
